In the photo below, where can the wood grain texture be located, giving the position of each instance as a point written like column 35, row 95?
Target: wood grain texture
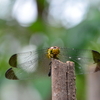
column 63, row 80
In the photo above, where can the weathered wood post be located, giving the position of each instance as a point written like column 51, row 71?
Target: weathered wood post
column 63, row 80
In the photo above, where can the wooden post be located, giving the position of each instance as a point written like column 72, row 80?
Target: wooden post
column 63, row 80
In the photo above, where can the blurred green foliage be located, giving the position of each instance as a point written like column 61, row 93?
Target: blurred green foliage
column 13, row 37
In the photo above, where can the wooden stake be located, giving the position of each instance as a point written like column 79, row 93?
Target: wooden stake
column 63, row 80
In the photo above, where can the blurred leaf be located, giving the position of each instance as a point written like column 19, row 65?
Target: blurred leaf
column 38, row 26
column 43, row 85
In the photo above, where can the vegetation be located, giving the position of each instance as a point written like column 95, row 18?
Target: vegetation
column 45, row 31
